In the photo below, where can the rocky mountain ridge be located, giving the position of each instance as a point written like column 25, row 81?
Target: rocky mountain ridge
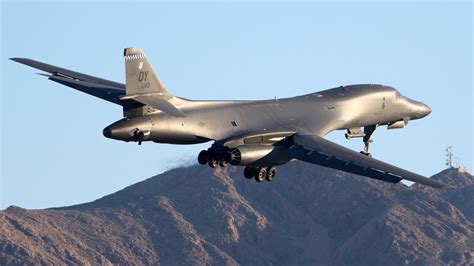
column 308, row 215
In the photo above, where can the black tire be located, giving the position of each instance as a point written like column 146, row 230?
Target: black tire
column 223, row 163
column 249, row 172
column 260, row 174
column 213, row 163
column 203, row 157
column 271, row 174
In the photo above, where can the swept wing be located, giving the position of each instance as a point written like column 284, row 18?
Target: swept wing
column 317, row 150
column 105, row 89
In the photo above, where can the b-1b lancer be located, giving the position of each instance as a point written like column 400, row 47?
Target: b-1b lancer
column 256, row 134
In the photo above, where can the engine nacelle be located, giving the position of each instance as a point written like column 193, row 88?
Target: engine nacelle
column 244, row 155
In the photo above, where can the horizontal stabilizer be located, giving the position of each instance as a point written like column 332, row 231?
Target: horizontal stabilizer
column 156, row 101
column 101, row 91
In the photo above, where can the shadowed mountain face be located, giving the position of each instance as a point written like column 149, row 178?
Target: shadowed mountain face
column 308, row 215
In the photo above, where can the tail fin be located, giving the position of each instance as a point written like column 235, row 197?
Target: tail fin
column 143, row 84
column 140, row 75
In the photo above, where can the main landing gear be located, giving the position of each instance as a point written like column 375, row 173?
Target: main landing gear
column 260, row 173
column 212, row 159
column 216, row 159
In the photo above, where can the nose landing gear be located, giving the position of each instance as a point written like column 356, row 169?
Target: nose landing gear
column 366, row 135
column 368, row 131
column 366, row 148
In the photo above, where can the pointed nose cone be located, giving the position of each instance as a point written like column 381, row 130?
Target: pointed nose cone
column 424, row 110
column 107, row 132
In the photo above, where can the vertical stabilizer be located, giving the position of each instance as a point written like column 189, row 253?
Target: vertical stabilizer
column 143, row 84
column 140, row 75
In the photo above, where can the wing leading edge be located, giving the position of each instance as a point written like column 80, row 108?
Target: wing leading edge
column 317, row 150
column 105, row 89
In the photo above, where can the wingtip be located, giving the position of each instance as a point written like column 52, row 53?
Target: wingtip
column 19, row 59
column 44, row 74
column 444, row 187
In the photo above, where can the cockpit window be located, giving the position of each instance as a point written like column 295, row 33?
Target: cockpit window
column 398, row 95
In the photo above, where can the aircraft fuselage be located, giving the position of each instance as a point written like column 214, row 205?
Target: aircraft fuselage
column 339, row 108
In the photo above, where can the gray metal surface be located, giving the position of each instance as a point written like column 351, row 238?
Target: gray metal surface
column 257, row 134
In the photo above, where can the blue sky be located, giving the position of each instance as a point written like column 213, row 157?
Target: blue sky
column 53, row 151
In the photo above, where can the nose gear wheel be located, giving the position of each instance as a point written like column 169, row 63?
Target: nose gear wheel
column 368, row 131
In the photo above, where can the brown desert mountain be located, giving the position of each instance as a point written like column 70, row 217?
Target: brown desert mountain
column 308, row 215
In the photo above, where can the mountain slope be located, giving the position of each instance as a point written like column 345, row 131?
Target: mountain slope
column 308, row 215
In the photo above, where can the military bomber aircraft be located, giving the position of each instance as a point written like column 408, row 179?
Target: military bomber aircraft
column 256, row 134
